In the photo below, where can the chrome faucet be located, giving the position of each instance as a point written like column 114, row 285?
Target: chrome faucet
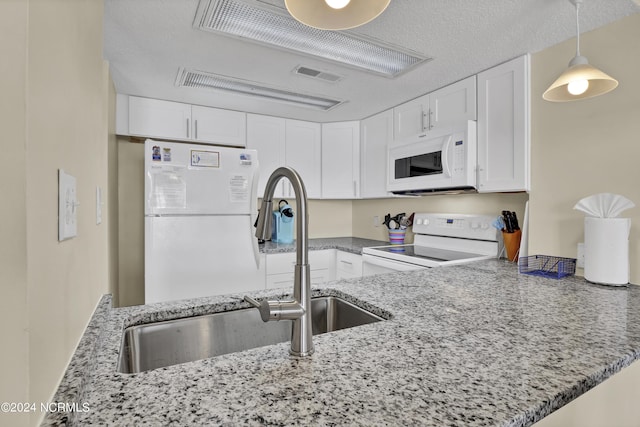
column 298, row 310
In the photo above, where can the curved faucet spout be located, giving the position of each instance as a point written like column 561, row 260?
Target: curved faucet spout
column 298, row 310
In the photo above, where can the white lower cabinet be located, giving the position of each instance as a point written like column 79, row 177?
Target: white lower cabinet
column 280, row 268
column 325, row 265
column 348, row 265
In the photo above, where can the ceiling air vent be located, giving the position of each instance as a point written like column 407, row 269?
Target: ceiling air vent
column 205, row 80
column 316, row 74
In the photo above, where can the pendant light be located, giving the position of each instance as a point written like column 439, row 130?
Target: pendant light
column 335, row 14
column 580, row 80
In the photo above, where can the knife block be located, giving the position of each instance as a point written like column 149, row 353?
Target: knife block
column 512, row 244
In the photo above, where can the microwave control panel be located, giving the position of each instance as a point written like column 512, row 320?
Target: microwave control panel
column 458, row 157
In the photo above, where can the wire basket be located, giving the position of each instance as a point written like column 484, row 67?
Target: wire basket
column 547, row 266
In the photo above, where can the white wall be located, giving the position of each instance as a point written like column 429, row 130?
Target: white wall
column 14, row 355
column 585, row 147
column 54, row 110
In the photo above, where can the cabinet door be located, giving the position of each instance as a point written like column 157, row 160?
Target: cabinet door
column 267, row 135
column 376, row 133
column 219, row 126
column 160, row 119
column 303, row 153
column 410, row 120
column 280, row 268
column 453, row 104
column 340, row 160
column 348, row 265
column 503, row 127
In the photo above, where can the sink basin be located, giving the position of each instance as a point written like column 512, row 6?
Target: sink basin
column 160, row 344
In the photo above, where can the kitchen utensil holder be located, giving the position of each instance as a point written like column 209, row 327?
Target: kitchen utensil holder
column 396, row 236
column 512, row 244
column 547, row 266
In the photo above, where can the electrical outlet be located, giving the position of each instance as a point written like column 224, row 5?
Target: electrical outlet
column 580, row 257
column 376, row 221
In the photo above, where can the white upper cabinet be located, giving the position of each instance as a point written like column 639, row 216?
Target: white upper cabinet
column 183, row 122
column 284, row 142
column 267, row 135
column 340, row 160
column 303, row 152
column 159, row 119
column 453, row 104
column 503, row 127
column 448, row 106
column 411, row 119
column 219, row 126
column 376, row 132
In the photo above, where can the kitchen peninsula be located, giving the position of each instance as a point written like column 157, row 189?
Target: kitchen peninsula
column 469, row 345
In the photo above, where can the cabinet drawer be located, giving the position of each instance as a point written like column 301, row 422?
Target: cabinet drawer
column 349, row 264
column 285, row 262
column 281, row 263
column 285, row 280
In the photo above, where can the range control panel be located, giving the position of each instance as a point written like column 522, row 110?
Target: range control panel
column 455, row 225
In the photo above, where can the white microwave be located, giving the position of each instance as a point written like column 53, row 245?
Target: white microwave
column 442, row 160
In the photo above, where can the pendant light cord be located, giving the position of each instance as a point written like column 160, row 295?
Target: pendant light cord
column 577, row 3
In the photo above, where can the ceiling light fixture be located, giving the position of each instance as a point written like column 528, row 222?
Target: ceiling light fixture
column 205, row 80
column 335, row 14
column 580, row 80
column 274, row 27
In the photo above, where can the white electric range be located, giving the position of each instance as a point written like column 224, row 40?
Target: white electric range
column 440, row 240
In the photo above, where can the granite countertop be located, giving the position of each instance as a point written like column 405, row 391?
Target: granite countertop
column 470, row 345
column 347, row 244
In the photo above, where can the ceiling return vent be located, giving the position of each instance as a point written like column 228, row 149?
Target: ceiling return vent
column 274, row 27
column 316, row 74
column 205, row 80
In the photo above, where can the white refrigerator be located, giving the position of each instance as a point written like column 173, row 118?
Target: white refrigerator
column 200, row 207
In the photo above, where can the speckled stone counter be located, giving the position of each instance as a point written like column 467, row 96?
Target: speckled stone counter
column 470, row 345
column 347, row 244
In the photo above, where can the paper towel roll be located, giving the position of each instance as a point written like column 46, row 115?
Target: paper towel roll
column 606, row 250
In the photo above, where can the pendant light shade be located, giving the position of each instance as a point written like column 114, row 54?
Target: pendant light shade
column 580, row 80
column 335, row 15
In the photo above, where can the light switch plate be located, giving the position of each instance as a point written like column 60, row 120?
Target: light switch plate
column 67, row 206
column 98, row 205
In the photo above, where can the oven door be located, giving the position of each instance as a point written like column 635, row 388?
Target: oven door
column 372, row 265
column 445, row 160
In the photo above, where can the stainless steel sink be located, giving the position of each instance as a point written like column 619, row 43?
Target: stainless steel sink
column 160, row 344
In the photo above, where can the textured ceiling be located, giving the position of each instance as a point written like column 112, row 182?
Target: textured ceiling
column 147, row 41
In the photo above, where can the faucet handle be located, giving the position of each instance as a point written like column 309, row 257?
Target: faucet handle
column 263, row 307
column 276, row 310
column 251, row 301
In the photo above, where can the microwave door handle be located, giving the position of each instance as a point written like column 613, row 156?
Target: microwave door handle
column 445, row 156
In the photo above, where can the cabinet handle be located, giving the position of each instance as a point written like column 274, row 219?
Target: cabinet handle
column 422, row 121
column 188, row 126
column 195, row 129
column 346, row 262
column 430, row 119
